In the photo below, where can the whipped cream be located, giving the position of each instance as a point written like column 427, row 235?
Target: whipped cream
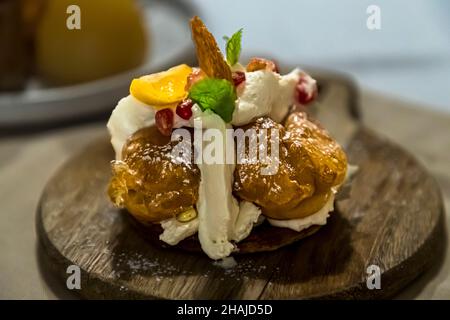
column 285, row 97
column 216, row 207
column 128, row 116
column 248, row 217
column 257, row 96
column 175, row 231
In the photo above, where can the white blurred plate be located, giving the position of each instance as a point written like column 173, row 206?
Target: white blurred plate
column 170, row 44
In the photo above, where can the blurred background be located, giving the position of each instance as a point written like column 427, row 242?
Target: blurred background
column 408, row 57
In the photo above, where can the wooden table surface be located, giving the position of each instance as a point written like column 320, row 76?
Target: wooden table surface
column 28, row 160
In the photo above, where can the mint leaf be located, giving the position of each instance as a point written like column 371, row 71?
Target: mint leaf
column 233, row 47
column 217, row 95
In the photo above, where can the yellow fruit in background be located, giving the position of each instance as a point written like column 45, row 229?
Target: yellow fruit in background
column 112, row 39
column 162, row 89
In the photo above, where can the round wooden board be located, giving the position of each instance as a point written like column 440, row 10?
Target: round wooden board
column 392, row 218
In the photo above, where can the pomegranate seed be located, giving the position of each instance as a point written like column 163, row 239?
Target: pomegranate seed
column 184, row 109
column 164, row 121
column 197, row 74
column 306, row 89
column 261, row 64
column 238, row 78
column 302, row 95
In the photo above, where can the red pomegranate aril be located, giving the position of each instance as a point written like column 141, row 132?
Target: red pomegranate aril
column 238, row 77
column 164, row 121
column 184, row 109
